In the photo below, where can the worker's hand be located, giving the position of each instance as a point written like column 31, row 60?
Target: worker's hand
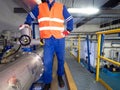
column 23, row 26
column 65, row 33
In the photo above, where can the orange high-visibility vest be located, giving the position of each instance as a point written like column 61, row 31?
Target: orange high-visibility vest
column 51, row 22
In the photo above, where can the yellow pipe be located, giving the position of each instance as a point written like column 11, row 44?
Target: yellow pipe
column 110, row 31
column 105, row 84
column 79, row 49
column 73, row 39
column 71, row 44
column 98, row 58
column 101, row 57
column 109, row 60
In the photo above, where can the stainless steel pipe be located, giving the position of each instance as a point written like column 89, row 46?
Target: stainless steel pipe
column 20, row 74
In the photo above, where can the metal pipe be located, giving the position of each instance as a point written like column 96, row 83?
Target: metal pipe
column 79, row 49
column 109, row 31
column 20, row 74
column 102, row 42
column 110, row 60
column 98, row 58
column 88, row 51
column 35, row 42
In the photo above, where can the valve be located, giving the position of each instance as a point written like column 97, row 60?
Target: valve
column 25, row 40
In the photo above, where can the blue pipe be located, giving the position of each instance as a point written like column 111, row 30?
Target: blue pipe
column 88, row 51
column 4, row 50
column 34, row 34
column 102, row 42
column 118, row 34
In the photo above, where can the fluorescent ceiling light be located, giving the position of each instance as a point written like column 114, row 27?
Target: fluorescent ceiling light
column 87, row 11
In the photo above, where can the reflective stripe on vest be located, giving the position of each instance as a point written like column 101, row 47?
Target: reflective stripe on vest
column 51, row 22
column 51, row 28
column 50, row 19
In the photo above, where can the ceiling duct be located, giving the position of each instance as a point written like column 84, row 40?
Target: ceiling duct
column 114, row 22
column 19, row 10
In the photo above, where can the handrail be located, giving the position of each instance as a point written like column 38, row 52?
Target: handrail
column 98, row 51
column 110, row 60
column 98, row 59
column 110, row 31
column 79, row 49
column 77, row 46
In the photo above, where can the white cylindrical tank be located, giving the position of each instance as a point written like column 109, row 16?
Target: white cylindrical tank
column 20, row 74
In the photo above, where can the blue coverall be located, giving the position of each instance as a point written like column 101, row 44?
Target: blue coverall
column 52, row 45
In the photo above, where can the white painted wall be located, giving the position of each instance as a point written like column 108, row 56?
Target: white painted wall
column 87, row 28
column 83, row 51
column 110, row 52
column 93, row 50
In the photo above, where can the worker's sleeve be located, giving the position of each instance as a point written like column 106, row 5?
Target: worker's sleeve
column 68, row 18
column 32, row 15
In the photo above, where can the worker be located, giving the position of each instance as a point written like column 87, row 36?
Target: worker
column 51, row 17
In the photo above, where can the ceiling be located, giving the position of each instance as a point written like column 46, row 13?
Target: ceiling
column 103, row 4
column 109, row 11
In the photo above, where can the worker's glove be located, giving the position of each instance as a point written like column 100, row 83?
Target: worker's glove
column 41, row 42
column 23, row 26
column 65, row 33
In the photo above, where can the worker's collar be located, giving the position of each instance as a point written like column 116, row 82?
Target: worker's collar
column 51, row 2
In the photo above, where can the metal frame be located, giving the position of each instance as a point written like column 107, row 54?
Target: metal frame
column 101, row 57
column 34, row 35
column 78, row 47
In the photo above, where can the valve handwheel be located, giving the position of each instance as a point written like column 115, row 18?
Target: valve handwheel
column 25, row 40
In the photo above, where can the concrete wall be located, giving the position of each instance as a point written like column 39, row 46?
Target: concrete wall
column 8, row 19
column 88, row 28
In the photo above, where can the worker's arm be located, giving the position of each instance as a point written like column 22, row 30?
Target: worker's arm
column 68, row 18
column 32, row 15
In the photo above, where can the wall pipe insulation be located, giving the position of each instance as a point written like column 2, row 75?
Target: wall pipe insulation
column 20, row 74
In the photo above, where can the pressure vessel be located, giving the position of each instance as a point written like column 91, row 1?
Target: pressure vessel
column 20, row 74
